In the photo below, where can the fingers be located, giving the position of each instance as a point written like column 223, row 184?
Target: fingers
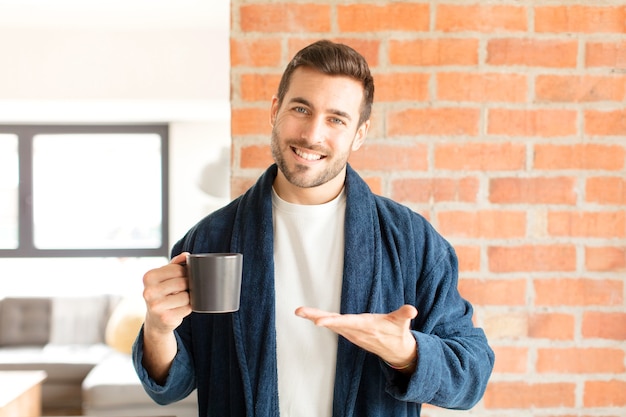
column 314, row 314
column 175, row 269
column 169, row 279
column 165, row 294
column 406, row 312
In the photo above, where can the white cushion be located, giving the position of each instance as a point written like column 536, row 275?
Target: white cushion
column 79, row 320
column 115, row 384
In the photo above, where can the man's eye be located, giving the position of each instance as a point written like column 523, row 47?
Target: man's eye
column 300, row 109
column 337, row 121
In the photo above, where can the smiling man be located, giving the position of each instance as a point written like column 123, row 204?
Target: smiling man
column 315, row 127
column 384, row 327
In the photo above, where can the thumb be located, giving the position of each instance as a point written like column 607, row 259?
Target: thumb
column 406, row 312
column 180, row 258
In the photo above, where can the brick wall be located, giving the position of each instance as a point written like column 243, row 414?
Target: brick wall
column 503, row 123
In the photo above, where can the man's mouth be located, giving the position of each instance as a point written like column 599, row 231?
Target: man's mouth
column 307, row 155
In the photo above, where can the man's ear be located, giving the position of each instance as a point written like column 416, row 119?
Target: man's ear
column 273, row 110
column 361, row 133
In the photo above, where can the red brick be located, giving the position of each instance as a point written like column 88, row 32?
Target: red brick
column 602, row 325
column 250, row 121
column 605, row 258
column 506, row 325
column 604, row 393
column 377, row 125
column 510, row 360
column 532, row 258
column 582, row 19
column 606, row 190
column 606, row 54
column 390, row 157
column 239, row 185
column 407, row 17
column 439, row 121
column 489, row 224
column 605, row 122
column 433, row 52
column 480, row 156
column 579, row 156
column 548, row 190
column 481, row 87
column 580, row 360
column 585, row 88
column 285, row 17
column 256, row 156
column 531, row 52
column 424, row 190
column 401, row 86
column 553, row 326
column 259, row 87
column 494, row 291
column 375, row 184
column 609, row 224
column 578, row 292
column 532, row 122
column 481, row 18
column 527, row 396
column 369, row 48
column 294, row 44
column 264, row 52
column 469, row 258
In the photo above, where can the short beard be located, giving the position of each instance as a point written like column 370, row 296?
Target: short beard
column 297, row 176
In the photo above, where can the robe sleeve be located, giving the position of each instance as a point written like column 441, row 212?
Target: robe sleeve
column 454, row 358
column 180, row 381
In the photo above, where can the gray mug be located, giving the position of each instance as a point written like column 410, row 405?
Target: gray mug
column 214, row 281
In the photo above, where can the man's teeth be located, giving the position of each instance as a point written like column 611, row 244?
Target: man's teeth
column 307, row 156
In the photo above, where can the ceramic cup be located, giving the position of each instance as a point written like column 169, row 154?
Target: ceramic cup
column 214, row 281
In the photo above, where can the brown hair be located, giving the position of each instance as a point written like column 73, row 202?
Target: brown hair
column 332, row 59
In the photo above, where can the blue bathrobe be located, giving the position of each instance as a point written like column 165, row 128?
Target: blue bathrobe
column 392, row 257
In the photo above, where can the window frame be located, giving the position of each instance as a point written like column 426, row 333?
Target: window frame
column 25, row 136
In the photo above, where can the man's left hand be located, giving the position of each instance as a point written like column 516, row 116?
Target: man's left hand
column 385, row 335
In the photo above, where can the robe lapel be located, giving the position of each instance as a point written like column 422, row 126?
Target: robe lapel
column 254, row 323
column 361, row 285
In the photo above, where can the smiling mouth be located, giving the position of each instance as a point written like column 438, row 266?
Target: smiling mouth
column 307, row 155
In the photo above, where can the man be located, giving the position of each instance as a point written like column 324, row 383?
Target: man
column 391, row 330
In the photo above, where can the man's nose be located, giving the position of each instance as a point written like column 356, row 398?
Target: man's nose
column 314, row 131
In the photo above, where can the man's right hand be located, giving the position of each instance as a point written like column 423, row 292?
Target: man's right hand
column 167, row 301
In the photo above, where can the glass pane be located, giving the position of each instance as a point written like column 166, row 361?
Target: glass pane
column 97, row 191
column 9, row 180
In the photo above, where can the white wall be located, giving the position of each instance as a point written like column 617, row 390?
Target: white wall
column 66, row 61
column 96, row 65
column 111, row 64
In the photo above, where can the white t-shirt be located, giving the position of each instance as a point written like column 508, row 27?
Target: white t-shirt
column 308, row 262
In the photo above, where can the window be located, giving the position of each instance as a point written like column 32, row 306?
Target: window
column 83, row 191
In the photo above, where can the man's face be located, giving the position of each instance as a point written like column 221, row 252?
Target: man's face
column 316, row 127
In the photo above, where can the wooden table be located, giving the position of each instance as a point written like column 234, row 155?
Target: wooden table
column 20, row 393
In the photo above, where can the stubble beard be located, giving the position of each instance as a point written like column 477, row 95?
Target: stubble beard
column 298, row 176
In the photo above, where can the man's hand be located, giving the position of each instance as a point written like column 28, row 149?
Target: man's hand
column 166, row 296
column 385, row 335
column 167, row 304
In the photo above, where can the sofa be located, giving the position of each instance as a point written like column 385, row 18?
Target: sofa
column 83, row 344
